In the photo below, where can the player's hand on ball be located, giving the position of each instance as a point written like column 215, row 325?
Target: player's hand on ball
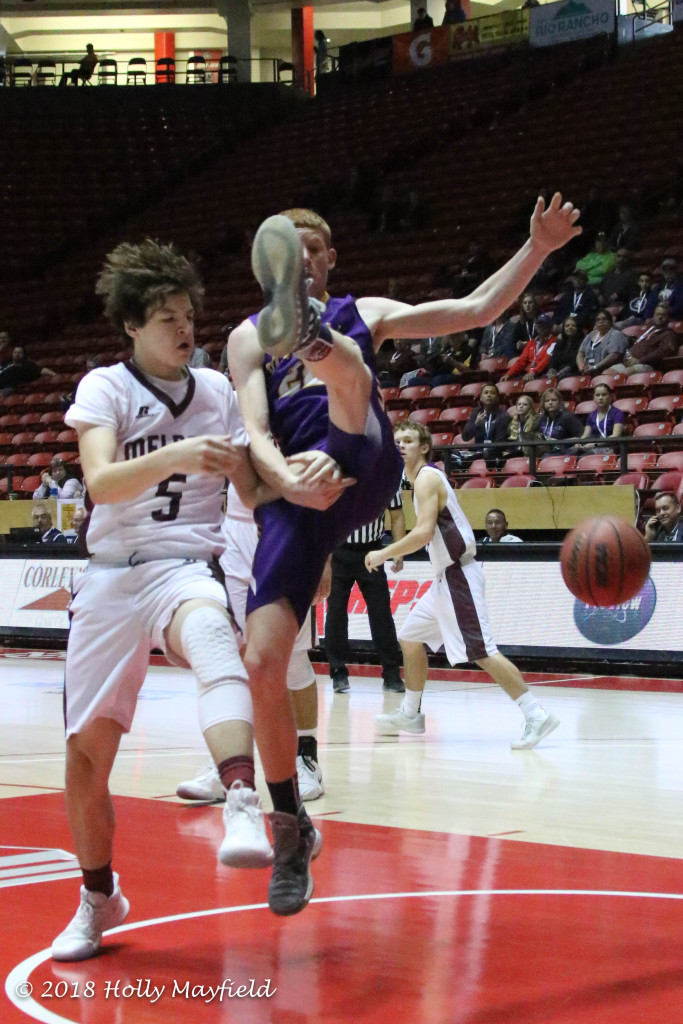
column 373, row 560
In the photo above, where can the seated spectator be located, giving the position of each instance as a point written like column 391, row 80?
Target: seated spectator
column 535, row 355
column 42, row 518
column 602, row 347
column 563, row 356
column 555, row 422
column 578, row 301
column 454, row 13
column 84, row 71
column 666, row 525
column 454, row 358
column 91, row 363
column 626, row 232
column 524, row 425
column 620, row 284
column 640, row 304
column 497, row 529
column 525, row 328
column 20, row 370
column 498, row 339
column 422, row 21
column 605, row 421
column 5, row 347
column 649, row 351
column 77, row 522
column 598, row 262
column 57, row 482
column 597, row 214
column 487, row 422
column 671, row 289
column 402, row 361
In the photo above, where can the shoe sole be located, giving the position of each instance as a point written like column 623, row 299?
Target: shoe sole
column 396, row 730
column 87, row 955
column 394, row 689
column 205, row 798
column 550, row 725
column 245, row 858
column 311, row 794
column 277, row 262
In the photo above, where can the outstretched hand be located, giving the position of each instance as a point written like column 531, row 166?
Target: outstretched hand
column 553, row 227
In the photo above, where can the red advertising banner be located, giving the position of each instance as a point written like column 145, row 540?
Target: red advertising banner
column 413, row 51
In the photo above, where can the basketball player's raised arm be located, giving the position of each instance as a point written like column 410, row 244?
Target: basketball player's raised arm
column 550, row 229
column 109, row 482
column 427, row 489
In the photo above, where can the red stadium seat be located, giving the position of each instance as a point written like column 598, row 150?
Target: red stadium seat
column 597, row 465
column 442, row 438
column 520, row 480
column 535, row 388
column 478, row 468
column 13, row 401
column 517, row 465
column 19, row 459
column 415, row 392
column 510, row 387
column 653, row 430
column 25, row 439
column 67, row 456
column 669, row 460
column 584, row 408
column 45, row 437
column 51, row 417
column 637, row 480
column 558, row 464
column 478, row 481
column 387, row 395
column 425, row 416
column 395, row 415
column 456, row 414
column 447, row 392
column 678, row 430
column 632, row 406
column 39, row 459
column 645, row 380
column 29, row 484
column 9, row 420
column 670, row 384
column 494, row 364
column 572, row 385
column 67, row 437
column 37, row 398
column 612, row 380
column 669, row 481
column 640, row 462
column 470, row 392
column 634, row 331
column 672, row 404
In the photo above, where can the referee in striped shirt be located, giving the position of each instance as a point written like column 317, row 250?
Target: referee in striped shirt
column 348, row 567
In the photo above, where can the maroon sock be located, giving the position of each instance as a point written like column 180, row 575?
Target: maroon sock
column 234, row 768
column 99, row 880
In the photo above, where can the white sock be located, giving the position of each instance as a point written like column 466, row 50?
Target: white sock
column 411, row 703
column 530, row 707
column 308, row 732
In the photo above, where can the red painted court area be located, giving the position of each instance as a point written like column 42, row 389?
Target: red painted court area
column 406, row 926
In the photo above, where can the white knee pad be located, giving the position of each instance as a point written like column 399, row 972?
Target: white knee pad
column 300, row 672
column 210, row 648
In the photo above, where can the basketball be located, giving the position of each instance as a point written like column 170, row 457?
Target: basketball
column 605, row 561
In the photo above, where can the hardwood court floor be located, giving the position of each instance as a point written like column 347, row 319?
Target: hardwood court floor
column 460, row 882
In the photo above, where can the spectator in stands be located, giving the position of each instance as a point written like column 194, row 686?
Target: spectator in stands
column 487, row 422
column 671, row 290
column 199, row 358
column 91, row 363
column 626, row 232
column 57, row 482
column 497, row 529
column 602, row 347
column 498, row 339
column 648, row 351
column 619, row 284
column 640, row 304
column 42, row 518
column 5, row 347
column 20, row 370
column 84, row 71
column 77, row 522
column 525, row 328
column 599, row 215
column 321, row 52
column 403, row 360
column 523, row 425
column 453, row 358
column 454, row 13
column 563, row 356
column 555, row 422
column 605, row 421
column 535, row 355
column 666, row 525
column 422, row 21
column 598, row 262
column 578, row 301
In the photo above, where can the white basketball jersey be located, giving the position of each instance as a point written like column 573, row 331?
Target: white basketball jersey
column 181, row 516
column 453, row 540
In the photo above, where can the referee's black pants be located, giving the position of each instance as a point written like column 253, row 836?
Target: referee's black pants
column 348, row 567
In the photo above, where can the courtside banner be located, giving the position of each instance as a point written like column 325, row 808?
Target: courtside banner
column 508, row 28
column 566, row 22
column 413, row 51
column 35, row 592
column 677, row 10
column 530, row 608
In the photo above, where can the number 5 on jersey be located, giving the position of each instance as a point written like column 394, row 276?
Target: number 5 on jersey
column 164, row 491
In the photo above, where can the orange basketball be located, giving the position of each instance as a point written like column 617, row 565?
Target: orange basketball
column 605, row 561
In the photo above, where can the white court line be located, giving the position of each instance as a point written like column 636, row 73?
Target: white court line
column 19, row 975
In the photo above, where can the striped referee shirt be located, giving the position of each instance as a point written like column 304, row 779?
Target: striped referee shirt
column 372, row 532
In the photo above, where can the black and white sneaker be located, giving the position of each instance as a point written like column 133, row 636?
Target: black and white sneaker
column 290, row 322
column 296, row 843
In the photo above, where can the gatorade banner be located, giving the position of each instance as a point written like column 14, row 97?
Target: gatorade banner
column 414, row 51
column 568, row 21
